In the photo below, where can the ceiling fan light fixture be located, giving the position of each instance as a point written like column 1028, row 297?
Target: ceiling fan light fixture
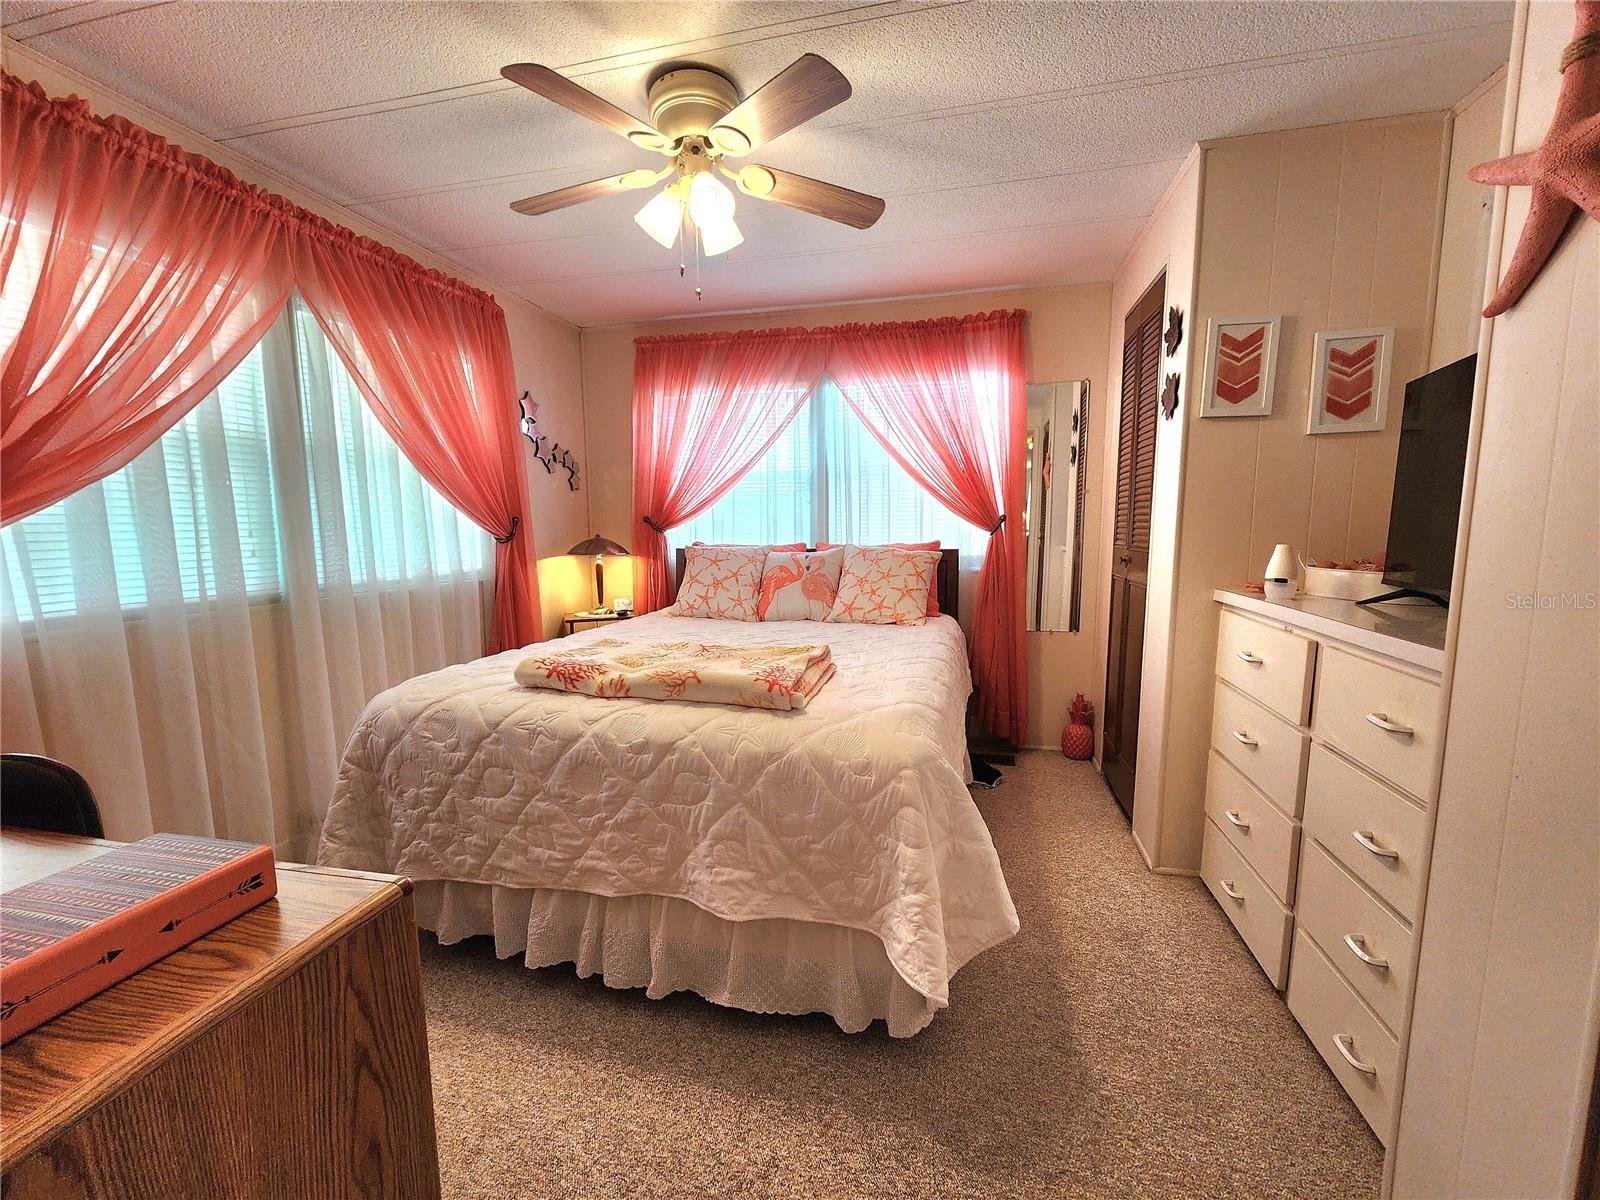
column 719, row 236
column 662, row 217
column 710, row 201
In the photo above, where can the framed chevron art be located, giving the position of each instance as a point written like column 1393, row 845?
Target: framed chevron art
column 1350, row 381
column 1241, row 364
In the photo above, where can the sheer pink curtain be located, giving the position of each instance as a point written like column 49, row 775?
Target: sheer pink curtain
column 705, row 409
column 948, row 400
column 433, row 360
column 145, row 275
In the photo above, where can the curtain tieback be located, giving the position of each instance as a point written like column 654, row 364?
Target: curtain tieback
column 997, row 525
column 654, row 526
column 515, row 521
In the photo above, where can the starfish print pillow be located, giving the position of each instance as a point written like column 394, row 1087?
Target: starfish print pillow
column 722, row 582
column 883, row 586
column 933, row 592
column 799, row 587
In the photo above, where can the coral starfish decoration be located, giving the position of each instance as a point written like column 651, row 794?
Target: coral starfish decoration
column 1564, row 172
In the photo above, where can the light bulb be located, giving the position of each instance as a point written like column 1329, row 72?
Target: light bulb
column 710, row 202
column 719, row 236
column 662, row 217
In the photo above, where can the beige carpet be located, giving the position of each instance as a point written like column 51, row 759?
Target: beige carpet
column 1124, row 1044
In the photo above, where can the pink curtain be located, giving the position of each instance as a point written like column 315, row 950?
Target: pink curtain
column 705, row 409
column 145, row 274
column 433, row 360
column 948, row 400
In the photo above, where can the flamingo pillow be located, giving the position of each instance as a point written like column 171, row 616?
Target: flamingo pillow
column 799, row 587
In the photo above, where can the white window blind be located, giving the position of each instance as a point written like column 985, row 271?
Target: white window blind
column 375, row 520
column 827, row 479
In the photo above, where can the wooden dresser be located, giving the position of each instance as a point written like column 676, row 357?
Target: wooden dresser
column 284, row 1054
column 1325, row 748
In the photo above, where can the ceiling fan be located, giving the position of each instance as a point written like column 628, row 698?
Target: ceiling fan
column 698, row 120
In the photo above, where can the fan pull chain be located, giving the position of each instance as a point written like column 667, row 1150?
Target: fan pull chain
column 697, row 293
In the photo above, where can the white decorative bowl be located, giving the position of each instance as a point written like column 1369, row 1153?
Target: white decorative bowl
column 1341, row 585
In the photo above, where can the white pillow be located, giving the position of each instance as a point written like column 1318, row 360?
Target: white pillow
column 799, row 587
column 721, row 581
column 879, row 585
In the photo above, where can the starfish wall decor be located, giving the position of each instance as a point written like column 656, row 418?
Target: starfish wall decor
column 1564, row 172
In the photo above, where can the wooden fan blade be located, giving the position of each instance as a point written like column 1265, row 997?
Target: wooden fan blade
column 566, row 197
column 585, row 103
column 806, row 88
column 824, row 199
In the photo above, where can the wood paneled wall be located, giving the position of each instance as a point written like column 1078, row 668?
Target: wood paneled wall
column 1335, row 227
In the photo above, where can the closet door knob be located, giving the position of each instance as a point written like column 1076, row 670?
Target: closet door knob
column 1381, row 720
column 1243, row 738
column 1233, row 893
column 1364, row 839
column 1233, row 816
column 1346, row 1047
column 1358, row 947
column 1246, row 656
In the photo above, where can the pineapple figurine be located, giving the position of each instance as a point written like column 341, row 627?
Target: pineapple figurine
column 1077, row 739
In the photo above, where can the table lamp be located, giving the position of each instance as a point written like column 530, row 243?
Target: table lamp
column 601, row 548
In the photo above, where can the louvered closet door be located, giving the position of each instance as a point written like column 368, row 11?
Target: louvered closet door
column 1130, row 539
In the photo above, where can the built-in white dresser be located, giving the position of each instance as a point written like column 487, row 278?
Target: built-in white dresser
column 1325, row 750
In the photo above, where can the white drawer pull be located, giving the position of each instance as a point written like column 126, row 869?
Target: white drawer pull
column 1243, row 738
column 1246, row 656
column 1239, row 822
column 1358, row 947
column 1381, row 720
column 1364, row 839
column 1233, row 894
column 1346, row 1044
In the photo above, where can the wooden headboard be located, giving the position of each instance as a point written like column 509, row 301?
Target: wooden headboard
column 946, row 578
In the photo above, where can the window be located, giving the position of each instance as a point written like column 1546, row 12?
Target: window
column 200, row 513
column 827, row 479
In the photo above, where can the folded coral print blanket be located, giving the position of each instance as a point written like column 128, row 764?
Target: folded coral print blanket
column 780, row 677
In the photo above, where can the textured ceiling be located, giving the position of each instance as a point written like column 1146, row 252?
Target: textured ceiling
column 1017, row 144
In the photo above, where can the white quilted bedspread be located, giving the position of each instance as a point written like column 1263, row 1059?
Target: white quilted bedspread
column 853, row 811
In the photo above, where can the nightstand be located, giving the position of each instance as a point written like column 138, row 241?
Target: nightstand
column 572, row 620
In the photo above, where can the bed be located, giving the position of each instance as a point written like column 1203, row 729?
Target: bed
column 828, row 859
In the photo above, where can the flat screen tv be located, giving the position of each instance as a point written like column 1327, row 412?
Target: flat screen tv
column 1428, row 476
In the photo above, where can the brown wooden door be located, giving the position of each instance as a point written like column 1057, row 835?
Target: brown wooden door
column 1130, row 538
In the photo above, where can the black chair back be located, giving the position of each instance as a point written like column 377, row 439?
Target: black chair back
column 40, row 793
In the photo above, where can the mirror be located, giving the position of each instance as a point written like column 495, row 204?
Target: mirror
column 1058, row 426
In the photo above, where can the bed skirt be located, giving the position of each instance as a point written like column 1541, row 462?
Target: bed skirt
column 666, row 945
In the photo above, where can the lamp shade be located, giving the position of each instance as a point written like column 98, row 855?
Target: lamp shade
column 598, row 545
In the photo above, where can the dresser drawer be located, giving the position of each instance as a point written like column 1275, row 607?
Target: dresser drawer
column 1382, row 717
column 1344, row 920
column 1367, row 826
column 1268, row 751
column 1262, row 922
column 1268, row 840
column 1271, row 665
column 1340, row 1025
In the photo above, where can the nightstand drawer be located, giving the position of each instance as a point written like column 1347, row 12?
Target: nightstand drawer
column 1382, row 717
column 1268, row 751
column 1267, row 664
column 1367, row 826
column 1363, row 1056
column 1262, row 922
column 1253, row 825
column 1366, row 942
